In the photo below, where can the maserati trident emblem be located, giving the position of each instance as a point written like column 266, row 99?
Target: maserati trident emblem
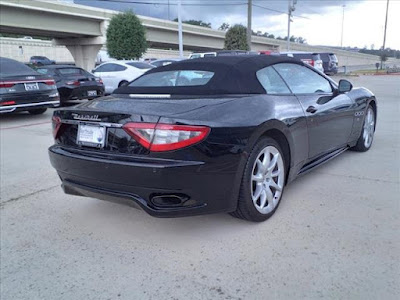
column 86, row 117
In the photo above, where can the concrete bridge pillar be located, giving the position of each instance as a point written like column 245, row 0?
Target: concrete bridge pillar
column 83, row 50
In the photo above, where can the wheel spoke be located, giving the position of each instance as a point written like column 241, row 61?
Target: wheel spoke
column 273, row 162
column 275, row 185
column 257, row 193
column 266, row 160
column 276, row 173
column 260, row 167
column 263, row 198
column 257, row 178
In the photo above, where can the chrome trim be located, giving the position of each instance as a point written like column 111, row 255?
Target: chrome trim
column 10, row 108
column 106, row 124
column 150, row 95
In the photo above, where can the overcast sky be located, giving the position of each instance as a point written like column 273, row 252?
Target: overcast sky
column 318, row 21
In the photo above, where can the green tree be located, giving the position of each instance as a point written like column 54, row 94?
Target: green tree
column 235, row 38
column 224, row 27
column 195, row 22
column 126, row 37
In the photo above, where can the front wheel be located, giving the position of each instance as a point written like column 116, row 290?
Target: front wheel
column 263, row 182
column 37, row 111
column 367, row 134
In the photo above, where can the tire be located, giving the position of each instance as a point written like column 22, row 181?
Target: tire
column 37, row 111
column 122, row 83
column 366, row 138
column 266, row 188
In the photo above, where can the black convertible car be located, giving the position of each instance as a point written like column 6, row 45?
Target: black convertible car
column 222, row 134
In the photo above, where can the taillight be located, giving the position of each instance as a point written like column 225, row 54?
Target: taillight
column 49, row 82
column 73, row 82
column 7, row 103
column 166, row 137
column 99, row 80
column 56, row 124
column 6, row 84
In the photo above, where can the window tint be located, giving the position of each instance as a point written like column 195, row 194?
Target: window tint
column 302, row 80
column 140, row 65
column 70, row 71
column 209, row 55
column 271, row 81
column 174, row 78
column 110, row 68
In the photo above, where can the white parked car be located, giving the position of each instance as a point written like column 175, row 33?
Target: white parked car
column 117, row 73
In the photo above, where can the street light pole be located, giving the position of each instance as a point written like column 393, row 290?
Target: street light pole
column 341, row 39
column 180, row 37
column 249, row 13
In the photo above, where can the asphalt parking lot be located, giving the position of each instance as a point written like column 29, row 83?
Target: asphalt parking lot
column 335, row 234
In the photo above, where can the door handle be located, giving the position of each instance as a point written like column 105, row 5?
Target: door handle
column 311, row 109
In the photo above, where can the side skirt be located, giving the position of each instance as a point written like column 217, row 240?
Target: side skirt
column 321, row 160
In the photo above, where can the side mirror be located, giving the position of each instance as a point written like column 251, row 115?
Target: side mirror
column 344, row 86
column 94, row 70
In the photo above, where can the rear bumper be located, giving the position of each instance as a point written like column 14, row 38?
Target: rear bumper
column 79, row 93
column 28, row 106
column 136, row 181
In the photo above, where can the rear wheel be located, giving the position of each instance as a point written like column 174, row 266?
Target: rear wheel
column 367, row 134
column 123, row 83
column 263, row 182
column 37, row 111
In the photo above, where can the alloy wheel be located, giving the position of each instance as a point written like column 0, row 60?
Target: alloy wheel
column 369, row 128
column 267, row 180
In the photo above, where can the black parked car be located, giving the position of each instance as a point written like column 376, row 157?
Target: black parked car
column 74, row 83
column 330, row 63
column 41, row 61
column 210, row 135
column 23, row 89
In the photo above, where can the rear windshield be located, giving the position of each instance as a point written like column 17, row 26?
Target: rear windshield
column 140, row 65
column 70, row 71
column 333, row 57
column 45, row 71
column 316, row 56
column 173, row 78
column 10, row 67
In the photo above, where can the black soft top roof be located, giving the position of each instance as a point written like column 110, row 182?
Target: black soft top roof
column 232, row 75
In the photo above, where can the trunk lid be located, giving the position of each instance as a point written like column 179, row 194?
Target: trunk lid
column 114, row 111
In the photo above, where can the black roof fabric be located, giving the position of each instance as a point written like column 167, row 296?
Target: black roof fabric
column 233, row 75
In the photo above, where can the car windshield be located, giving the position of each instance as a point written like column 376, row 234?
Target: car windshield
column 195, row 56
column 140, row 65
column 174, row 78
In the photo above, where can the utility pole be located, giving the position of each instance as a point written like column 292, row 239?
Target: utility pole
column 168, row 12
column 384, row 35
column 341, row 39
column 291, row 9
column 249, row 13
column 180, row 28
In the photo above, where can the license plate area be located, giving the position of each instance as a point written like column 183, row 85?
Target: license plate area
column 91, row 135
column 92, row 93
column 31, row 86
